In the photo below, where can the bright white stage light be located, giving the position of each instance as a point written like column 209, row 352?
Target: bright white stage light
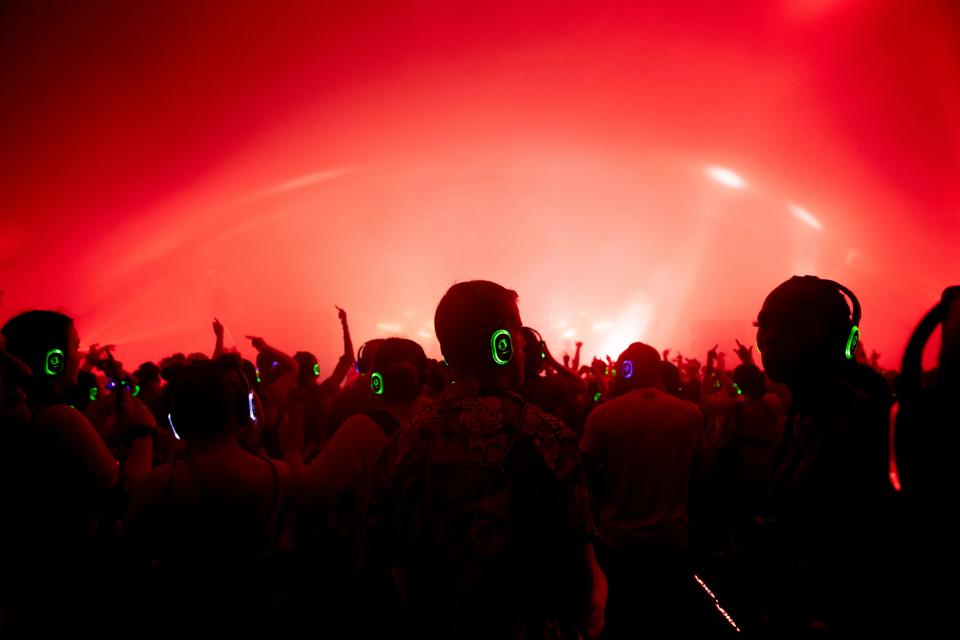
column 726, row 177
column 805, row 217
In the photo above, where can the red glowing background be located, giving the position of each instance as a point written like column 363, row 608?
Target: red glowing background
column 640, row 170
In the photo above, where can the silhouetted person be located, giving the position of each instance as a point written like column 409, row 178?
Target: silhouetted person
column 60, row 476
column 830, row 471
column 480, row 506
column 556, row 393
column 356, row 396
column 203, row 527
column 641, row 447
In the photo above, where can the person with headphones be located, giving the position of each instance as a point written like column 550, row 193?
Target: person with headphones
column 548, row 384
column 202, row 526
column 642, row 448
column 346, row 463
column 479, row 508
column 66, row 476
column 355, row 397
column 829, row 481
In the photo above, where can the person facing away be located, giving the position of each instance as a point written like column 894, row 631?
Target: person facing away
column 641, row 448
column 479, row 508
column 203, row 527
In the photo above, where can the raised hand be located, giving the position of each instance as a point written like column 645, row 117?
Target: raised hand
column 217, row 328
column 258, row 343
column 712, row 354
column 744, row 353
column 341, row 314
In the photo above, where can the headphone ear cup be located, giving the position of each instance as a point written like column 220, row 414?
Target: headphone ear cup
column 501, row 347
column 376, row 383
column 53, row 364
column 853, row 339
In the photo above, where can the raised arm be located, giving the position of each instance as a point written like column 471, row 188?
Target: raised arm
column 218, row 332
column 285, row 363
column 347, row 359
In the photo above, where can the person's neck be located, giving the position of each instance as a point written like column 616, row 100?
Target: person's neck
column 208, row 447
column 475, row 384
column 809, row 392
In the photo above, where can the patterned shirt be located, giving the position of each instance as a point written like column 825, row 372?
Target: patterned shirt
column 482, row 505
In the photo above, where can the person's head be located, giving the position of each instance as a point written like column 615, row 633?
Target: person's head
column 87, row 389
column 437, row 378
column 308, row 368
column 805, row 330
column 638, row 367
column 670, row 378
column 47, row 342
column 399, row 370
column 147, row 374
column 478, row 326
column 210, row 399
column 599, row 368
column 750, row 380
column 365, row 356
column 534, row 352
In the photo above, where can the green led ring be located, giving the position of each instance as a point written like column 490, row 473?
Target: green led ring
column 376, row 383
column 53, row 364
column 852, row 340
column 501, row 346
column 316, row 370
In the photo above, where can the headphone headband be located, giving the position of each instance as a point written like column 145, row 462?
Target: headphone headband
column 853, row 337
column 540, row 342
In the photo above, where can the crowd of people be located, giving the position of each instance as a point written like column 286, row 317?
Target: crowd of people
column 497, row 493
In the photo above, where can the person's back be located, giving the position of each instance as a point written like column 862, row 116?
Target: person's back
column 486, row 503
column 640, row 449
column 647, row 440
column 479, row 508
column 202, row 528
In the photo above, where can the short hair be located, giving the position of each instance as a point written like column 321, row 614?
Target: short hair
column 306, row 362
column 365, row 355
column 812, row 296
column 645, row 361
column 403, row 365
column 209, row 397
column 147, row 373
column 31, row 334
column 468, row 313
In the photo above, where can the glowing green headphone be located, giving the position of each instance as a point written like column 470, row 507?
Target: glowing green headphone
column 853, row 337
column 501, row 347
column 376, row 383
column 54, row 363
